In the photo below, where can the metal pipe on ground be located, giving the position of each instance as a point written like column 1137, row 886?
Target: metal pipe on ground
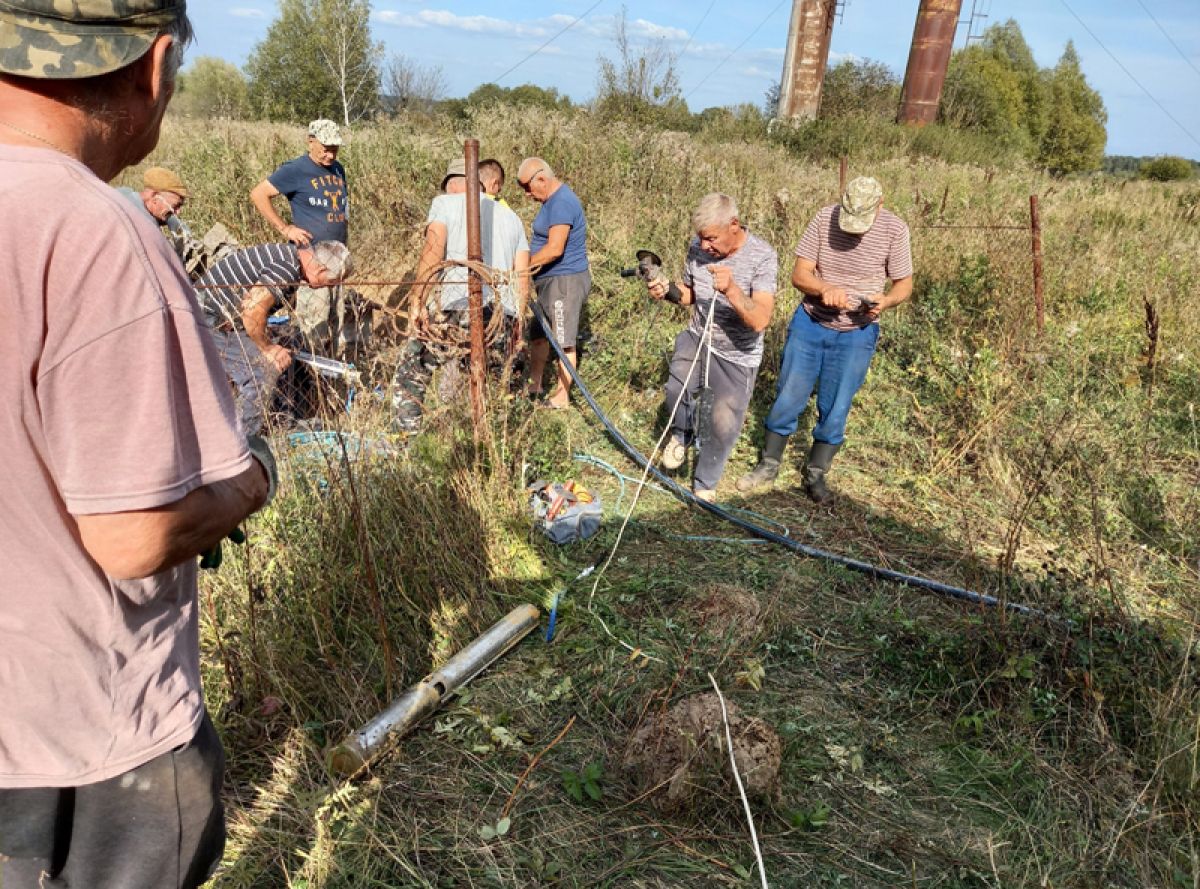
column 407, row 711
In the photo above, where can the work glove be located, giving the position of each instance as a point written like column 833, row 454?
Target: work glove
column 212, row 558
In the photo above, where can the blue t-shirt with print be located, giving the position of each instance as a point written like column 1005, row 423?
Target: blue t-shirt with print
column 562, row 208
column 318, row 196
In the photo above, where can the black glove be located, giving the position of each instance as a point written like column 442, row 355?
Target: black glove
column 211, row 560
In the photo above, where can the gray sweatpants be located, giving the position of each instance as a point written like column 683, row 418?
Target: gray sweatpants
column 252, row 376
column 732, row 386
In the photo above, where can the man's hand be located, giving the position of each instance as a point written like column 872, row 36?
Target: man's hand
column 722, row 276
column 297, row 235
column 279, row 356
column 835, row 297
column 657, row 287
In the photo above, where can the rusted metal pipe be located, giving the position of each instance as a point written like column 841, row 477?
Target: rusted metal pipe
column 1035, row 228
column 928, row 59
column 474, row 285
column 403, row 714
column 805, row 58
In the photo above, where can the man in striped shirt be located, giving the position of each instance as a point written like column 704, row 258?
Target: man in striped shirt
column 845, row 259
column 241, row 292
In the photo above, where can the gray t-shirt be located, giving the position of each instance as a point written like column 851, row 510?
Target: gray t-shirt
column 502, row 237
column 755, row 270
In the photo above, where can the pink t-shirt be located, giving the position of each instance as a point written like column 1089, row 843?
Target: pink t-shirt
column 112, row 399
column 860, row 264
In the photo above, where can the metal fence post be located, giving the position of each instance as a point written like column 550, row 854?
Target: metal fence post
column 1035, row 227
column 842, row 176
column 474, row 285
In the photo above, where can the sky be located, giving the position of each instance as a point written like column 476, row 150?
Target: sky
column 1142, row 56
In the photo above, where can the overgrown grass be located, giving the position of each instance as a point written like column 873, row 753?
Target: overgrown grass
column 925, row 743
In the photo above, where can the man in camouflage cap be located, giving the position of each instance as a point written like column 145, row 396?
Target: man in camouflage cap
column 123, row 463
column 845, row 261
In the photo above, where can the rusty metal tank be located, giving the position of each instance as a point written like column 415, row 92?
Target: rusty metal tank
column 933, row 40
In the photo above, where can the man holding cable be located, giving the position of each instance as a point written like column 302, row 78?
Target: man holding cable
column 847, row 256
column 729, row 277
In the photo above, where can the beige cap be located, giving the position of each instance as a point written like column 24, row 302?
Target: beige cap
column 456, row 167
column 162, row 179
column 326, row 132
column 860, row 204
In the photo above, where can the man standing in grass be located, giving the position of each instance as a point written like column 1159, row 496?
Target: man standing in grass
column 122, row 463
column 315, row 187
column 736, row 270
column 844, row 260
column 561, row 274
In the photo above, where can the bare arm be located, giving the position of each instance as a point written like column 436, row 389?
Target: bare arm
column 754, row 310
column 261, row 196
column 555, row 246
column 256, row 309
column 432, row 252
column 521, row 267
column 129, row 545
column 805, row 279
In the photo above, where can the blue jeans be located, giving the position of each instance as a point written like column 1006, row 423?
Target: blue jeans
column 834, row 361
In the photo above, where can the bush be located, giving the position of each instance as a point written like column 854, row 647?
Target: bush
column 1167, row 168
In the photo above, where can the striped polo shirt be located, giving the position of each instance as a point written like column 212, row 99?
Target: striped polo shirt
column 275, row 266
column 861, row 264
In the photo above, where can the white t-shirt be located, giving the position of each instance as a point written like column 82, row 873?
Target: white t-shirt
column 502, row 237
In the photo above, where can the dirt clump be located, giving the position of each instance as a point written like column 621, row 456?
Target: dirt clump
column 726, row 610
column 680, row 756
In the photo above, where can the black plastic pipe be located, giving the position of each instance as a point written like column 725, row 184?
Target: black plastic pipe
column 875, row 571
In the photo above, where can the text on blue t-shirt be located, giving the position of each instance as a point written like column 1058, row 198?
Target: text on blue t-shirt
column 318, row 196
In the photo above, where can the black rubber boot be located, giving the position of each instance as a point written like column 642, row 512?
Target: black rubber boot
column 819, row 460
column 768, row 464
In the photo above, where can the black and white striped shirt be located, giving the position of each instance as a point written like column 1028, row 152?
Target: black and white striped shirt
column 224, row 286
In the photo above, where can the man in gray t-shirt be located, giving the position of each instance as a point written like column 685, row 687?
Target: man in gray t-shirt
column 729, row 279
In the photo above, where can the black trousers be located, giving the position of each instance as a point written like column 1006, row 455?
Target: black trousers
column 159, row 826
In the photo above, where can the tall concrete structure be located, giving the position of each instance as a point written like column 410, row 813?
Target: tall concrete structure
column 928, row 59
column 805, row 59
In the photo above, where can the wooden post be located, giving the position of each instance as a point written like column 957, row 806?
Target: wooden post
column 842, row 176
column 474, row 285
column 1035, row 227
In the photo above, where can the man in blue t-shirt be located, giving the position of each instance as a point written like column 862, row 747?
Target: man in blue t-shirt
column 315, row 187
column 561, row 275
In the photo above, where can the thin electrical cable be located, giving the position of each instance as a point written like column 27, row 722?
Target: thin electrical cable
column 736, row 49
column 1129, row 74
column 641, row 484
column 1167, row 34
column 692, row 34
column 762, row 870
column 564, row 30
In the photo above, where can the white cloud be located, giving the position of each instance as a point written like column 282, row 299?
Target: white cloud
column 247, row 12
column 472, row 24
column 652, row 31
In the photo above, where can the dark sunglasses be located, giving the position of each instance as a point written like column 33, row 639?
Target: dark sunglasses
column 528, row 182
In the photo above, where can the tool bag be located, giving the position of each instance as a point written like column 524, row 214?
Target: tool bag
column 564, row 511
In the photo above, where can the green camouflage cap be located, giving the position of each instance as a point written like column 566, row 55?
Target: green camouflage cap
column 860, row 203
column 71, row 39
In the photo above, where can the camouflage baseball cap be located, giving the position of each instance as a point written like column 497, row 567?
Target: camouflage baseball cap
column 860, row 203
column 72, row 39
column 326, row 132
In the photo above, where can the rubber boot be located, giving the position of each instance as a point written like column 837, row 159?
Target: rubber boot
column 819, row 460
column 768, row 464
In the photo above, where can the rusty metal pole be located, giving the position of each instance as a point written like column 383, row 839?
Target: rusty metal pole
column 842, row 166
column 1035, row 227
column 928, row 59
column 474, row 285
column 805, row 58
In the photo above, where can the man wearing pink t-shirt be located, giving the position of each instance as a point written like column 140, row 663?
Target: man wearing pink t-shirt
column 122, row 463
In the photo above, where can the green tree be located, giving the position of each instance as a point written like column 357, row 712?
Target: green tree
column 640, row 84
column 1166, row 168
column 983, row 92
column 856, row 87
column 212, row 87
column 317, row 60
column 1075, row 135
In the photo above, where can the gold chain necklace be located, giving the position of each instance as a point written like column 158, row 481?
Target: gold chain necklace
column 42, row 139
